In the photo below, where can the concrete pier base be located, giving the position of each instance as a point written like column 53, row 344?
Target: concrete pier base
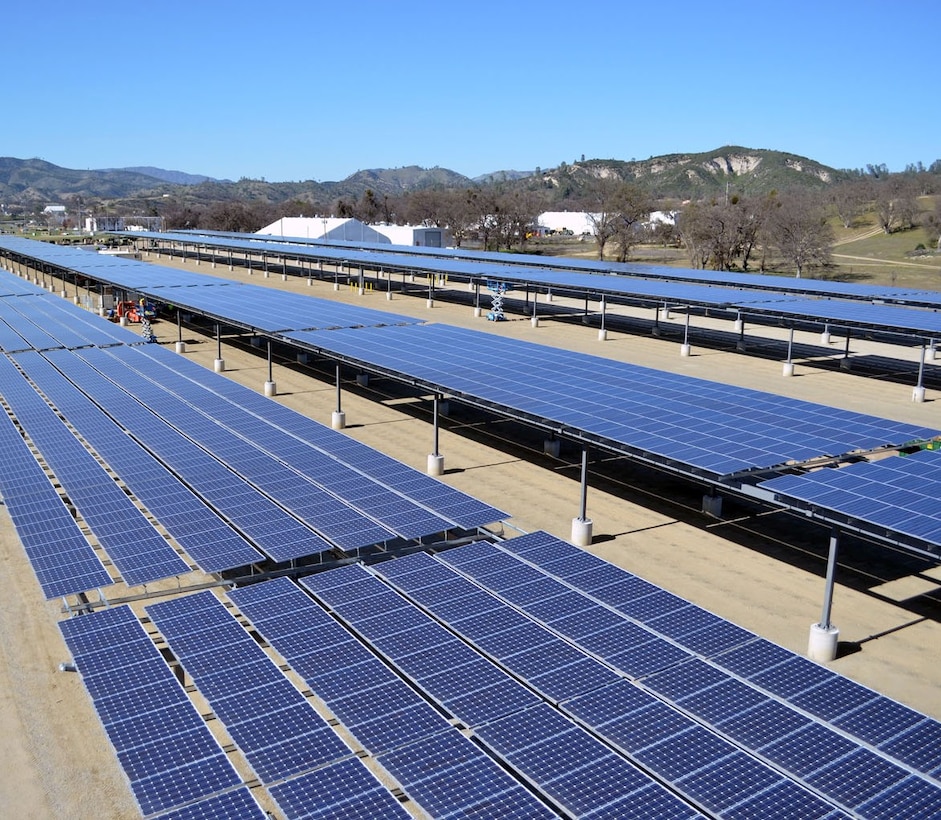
column 788, row 369
column 581, row 532
column 534, row 321
column 476, row 312
column 271, row 389
column 602, row 335
column 218, row 365
column 822, row 644
column 388, row 295
column 825, row 337
column 918, row 394
column 712, row 505
column 123, row 321
column 362, row 379
column 435, row 464
column 302, row 357
column 552, row 447
column 180, row 347
column 338, row 420
column 429, row 303
column 845, row 363
column 685, row 350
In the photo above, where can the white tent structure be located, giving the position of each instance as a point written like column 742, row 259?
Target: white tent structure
column 324, row 227
column 576, row 222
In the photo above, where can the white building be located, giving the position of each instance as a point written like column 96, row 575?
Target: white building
column 416, row 235
column 574, row 222
column 324, row 227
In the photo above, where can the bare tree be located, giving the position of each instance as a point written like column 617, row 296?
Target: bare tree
column 849, row 199
column 798, row 229
column 631, row 208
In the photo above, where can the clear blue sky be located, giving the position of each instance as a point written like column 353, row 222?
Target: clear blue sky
column 307, row 89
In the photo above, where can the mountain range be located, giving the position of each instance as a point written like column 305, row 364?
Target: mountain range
column 32, row 183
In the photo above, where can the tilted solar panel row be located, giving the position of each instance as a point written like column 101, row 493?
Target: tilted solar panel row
column 899, row 493
column 130, row 539
column 271, row 528
column 168, row 754
column 61, row 557
column 276, row 727
column 317, row 488
column 305, row 434
column 707, row 425
column 794, row 694
column 211, row 542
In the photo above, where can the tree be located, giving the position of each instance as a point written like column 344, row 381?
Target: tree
column 631, row 207
column 799, row 231
column 896, row 205
column 849, row 199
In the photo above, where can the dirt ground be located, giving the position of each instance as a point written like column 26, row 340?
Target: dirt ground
column 763, row 571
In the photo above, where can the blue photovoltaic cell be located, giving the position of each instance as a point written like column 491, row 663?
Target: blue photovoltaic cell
column 233, row 805
column 278, row 737
column 857, row 778
column 345, row 789
column 913, row 797
column 212, row 543
column 447, row 774
column 171, row 762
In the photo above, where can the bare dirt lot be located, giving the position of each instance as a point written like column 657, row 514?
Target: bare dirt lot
column 761, row 570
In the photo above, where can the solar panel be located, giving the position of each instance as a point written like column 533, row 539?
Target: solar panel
column 447, row 774
column 279, row 737
column 61, row 557
column 228, row 806
column 213, row 544
column 169, row 762
column 345, row 789
column 614, row 400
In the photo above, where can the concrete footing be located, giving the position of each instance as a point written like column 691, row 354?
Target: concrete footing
column 336, row 285
column 63, row 293
column 477, row 312
column 362, row 379
column 712, row 505
column 435, row 464
column 845, row 363
column 581, row 532
column 918, row 394
column 602, row 335
column 123, row 321
column 825, row 337
column 388, row 295
column 271, row 389
column 738, row 325
column 685, row 350
column 740, row 346
column 218, row 365
column 302, row 357
column 76, row 299
column 788, row 369
column 429, row 303
column 552, row 447
column 338, row 420
column 534, row 321
column 823, row 642
column 180, row 347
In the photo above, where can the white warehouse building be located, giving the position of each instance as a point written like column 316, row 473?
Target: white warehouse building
column 334, row 229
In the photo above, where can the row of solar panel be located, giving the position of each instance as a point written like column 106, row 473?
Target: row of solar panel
column 667, row 284
column 717, row 428
column 899, row 493
column 168, row 754
column 130, row 539
column 627, row 269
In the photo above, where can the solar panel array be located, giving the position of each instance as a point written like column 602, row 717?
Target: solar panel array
column 62, row 558
column 130, row 539
column 653, row 283
column 403, row 499
column 521, row 679
column 243, row 305
column 823, row 287
column 167, row 752
column 716, row 428
column 900, row 493
column 209, row 540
